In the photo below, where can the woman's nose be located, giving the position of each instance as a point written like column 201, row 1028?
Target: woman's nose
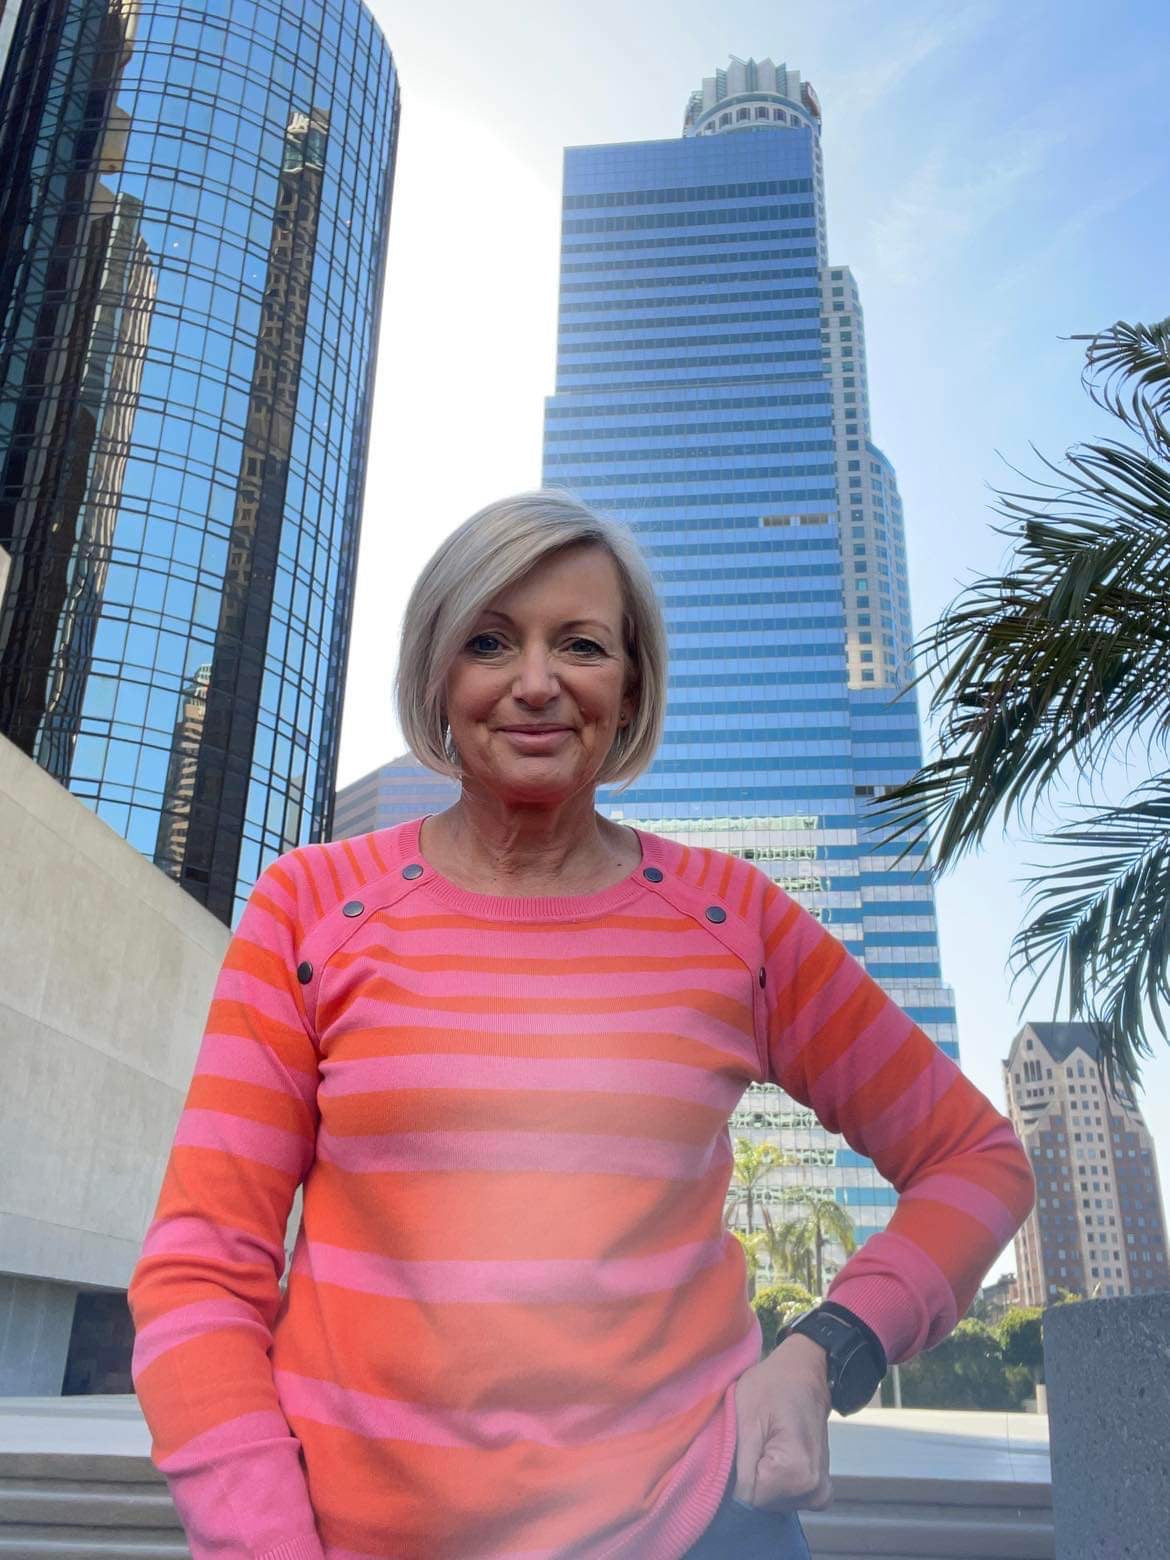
column 536, row 681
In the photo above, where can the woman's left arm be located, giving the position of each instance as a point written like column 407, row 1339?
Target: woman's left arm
column 838, row 1044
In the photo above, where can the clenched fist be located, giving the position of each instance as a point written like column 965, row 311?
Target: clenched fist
column 782, row 1414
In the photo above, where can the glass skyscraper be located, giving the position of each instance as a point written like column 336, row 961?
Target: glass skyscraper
column 193, row 216
column 711, row 392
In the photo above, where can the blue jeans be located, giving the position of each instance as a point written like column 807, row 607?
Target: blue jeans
column 739, row 1532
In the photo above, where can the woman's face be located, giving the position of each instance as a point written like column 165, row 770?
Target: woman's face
column 536, row 694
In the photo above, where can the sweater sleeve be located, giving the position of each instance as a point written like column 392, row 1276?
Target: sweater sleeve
column 839, row 1045
column 206, row 1291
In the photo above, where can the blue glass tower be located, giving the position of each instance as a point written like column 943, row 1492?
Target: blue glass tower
column 194, row 204
column 711, row 392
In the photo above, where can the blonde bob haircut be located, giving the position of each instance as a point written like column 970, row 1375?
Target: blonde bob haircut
column 487, row 555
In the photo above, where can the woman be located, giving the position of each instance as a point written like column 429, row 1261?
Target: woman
column 499, row 1049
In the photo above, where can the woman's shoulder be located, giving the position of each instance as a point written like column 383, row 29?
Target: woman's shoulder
column 728, row 879
column 322, row 876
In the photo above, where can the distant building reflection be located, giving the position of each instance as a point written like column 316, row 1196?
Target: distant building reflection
column 218, row 799
column 73, row 387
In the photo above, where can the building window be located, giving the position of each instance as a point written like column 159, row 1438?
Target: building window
column 743, row 113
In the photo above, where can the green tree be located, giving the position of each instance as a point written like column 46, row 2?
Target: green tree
column 1049, row 673
column 1020, row 1338
column 777, row 1304
column 966, row 1370
column 820, row 1221
column 751, row 1252
column 752, row 1164
column 788, row 1246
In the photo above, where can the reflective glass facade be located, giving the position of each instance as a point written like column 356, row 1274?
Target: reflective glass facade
column 710, row 394
column 193, row 214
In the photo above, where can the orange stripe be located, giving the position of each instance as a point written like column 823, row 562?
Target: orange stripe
column 711, row 1003
column 271, row 1108
column 522, row 1110
column 725, row 879
column 887, row 1086
column 483, row 1215
column 232, row 1359
column 462, row 1485
column 839, row 1032
column 354, row 865
column 659, row 1045
column 290, row 1045
column 448, row 1354
column 705, row 863
column 947, row 1233
column 778, row 933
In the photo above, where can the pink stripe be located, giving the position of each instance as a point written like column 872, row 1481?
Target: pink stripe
column 240, row 1487
column 910, row 1312
column 596, row 989
column 910, row 1108
column 867, row 1054
column 820, row 1010
column 250, row 990
column 244, row 1139
column 974, row 1200
column 251, row 1061
column 554, row 1153
column 195, row 1321
column 429, row 1070
column 675, row 1019
column 578, row 1424
column 187, row 1235
column 548, row 1282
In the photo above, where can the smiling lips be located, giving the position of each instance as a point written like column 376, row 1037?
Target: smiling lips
column 534, row 735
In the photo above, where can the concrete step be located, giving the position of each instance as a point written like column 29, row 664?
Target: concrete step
column 79, row 1506
column 36, row 1542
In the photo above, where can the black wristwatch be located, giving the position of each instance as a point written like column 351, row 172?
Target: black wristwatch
column 856, row 1359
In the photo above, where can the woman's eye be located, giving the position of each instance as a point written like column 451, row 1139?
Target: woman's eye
column 483, row 644
column 585, row 647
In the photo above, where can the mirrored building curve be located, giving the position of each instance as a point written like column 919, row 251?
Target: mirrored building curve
column 193, row 219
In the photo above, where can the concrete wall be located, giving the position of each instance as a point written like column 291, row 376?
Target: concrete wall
column 107, row 970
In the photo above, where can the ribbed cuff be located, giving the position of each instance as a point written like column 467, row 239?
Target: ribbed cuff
column 307, row 1547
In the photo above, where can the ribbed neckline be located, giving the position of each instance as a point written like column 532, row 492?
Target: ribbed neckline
column 506, row 907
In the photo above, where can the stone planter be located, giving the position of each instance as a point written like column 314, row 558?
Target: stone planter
column 1107, row 1370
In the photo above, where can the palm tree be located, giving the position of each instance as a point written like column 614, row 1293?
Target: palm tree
column 822, row 1222
column 789, row 1248
column 753, row 1162
column 751, row 1251
column 1048, row 672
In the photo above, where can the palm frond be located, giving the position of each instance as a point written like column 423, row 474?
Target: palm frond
column 1053, row 664
column 1127, row 372
column 1103, row 922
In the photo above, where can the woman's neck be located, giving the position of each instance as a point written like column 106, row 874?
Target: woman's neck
column 483, row 845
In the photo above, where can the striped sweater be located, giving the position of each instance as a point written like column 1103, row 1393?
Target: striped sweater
column 514, row 1316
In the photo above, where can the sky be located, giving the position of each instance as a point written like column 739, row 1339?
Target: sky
column 996, row 177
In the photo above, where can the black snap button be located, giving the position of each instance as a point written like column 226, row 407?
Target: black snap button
column 354, row 907
column 763, row 976
column 715, row 913
column 413, row 871
column 305, row 973
column 652, row 874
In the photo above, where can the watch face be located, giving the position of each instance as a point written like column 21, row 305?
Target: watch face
column 857, row 1380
